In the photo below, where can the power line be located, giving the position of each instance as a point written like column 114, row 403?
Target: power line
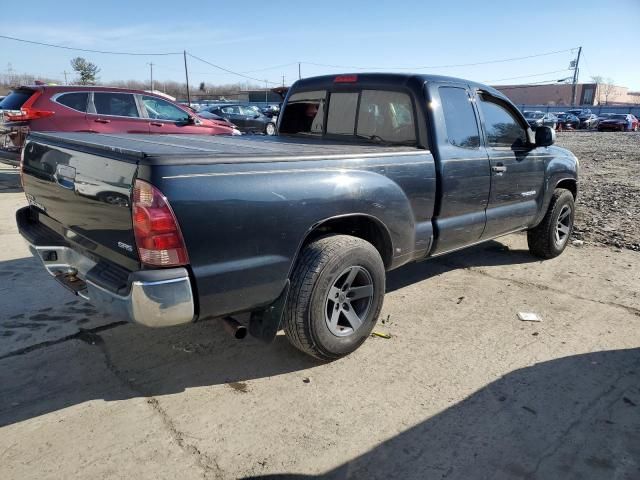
column 525, row 76
column 503, row 60
column 106, row 52
column 231, row 71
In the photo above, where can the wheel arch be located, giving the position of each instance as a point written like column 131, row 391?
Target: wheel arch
column 570, row 184
column 361, row 225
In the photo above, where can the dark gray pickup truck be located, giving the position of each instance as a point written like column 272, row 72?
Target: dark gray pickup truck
column 367, row 172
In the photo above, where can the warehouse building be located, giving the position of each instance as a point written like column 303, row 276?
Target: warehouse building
column 561, row 94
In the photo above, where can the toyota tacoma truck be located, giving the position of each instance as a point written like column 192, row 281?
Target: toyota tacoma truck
column 367, row 173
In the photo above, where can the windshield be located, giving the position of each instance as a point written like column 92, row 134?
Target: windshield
column 618, row 117
column 533, row 115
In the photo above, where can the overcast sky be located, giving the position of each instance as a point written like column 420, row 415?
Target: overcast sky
column 265, row 40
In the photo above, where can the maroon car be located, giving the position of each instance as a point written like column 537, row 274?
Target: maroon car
column 94, row 109
column 619, row 122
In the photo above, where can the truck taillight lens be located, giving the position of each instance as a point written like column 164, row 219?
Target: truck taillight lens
column 156, row 229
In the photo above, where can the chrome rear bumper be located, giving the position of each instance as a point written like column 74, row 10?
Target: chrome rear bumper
column 156, row 298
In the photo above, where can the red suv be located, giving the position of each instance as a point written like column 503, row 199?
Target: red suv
column 94, row 109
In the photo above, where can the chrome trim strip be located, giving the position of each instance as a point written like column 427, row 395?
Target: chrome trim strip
column 301, row 170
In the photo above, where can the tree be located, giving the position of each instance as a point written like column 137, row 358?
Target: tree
column 604, row 87
column 202, row 87
column 607, row 89
column 86, row 70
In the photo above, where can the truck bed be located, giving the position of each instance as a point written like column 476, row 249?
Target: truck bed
column 175, row 149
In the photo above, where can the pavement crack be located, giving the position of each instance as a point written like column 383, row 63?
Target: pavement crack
column 523, row 283
column 207, row 464
column 82, row 334
column 580, row 418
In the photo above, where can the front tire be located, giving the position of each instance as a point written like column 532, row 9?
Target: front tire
column 270, row 129
column 337, row 290
column 551, row 236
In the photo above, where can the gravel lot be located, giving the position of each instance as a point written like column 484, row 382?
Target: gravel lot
column 461, row 390
column 609, row 200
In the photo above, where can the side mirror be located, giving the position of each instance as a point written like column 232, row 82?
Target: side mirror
column 545, row 136
column 193, row 120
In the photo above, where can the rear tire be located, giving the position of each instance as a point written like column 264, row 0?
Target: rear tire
column 337, row 290
column 551, row 236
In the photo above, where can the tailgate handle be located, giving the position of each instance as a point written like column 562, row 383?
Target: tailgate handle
column 102, row 120
column 65, row 176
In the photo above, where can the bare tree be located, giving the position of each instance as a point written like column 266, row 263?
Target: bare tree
column 608, row 88
column 598, row 80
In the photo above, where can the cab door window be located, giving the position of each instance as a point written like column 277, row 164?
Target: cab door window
column 502, row 127
column 159, row 109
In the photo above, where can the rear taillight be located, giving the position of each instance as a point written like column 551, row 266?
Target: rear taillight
column 156, row 229
column 27, row 112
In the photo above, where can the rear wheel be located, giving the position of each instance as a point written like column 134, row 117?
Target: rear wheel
column 551, row 236
column 337, row 290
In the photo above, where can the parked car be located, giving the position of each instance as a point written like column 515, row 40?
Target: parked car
column 619, row 122
column 271, row 110
column 588, row 120
column 567, row 121
column 249, row 119
column 604, row 116
column 93, row 109
column 537, row 119
column 368, row 172
column 212, row 116
column 580, row 111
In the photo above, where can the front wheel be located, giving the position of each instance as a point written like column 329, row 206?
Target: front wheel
column 270, row 129
column 337, row 290
column 551, row 236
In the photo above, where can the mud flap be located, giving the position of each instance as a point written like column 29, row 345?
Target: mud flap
column 264, row 324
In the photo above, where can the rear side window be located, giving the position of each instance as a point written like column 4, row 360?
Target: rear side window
column 502, row 127
column 459, row 118
column 77, row 100
column 15, row 99
column 118, row 104
column 304, row 113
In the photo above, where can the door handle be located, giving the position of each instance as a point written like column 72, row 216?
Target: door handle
column 156, row 124
column 102, row 120
column 499, row 169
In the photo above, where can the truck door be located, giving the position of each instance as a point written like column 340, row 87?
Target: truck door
column 463, row 167
column 517, row 169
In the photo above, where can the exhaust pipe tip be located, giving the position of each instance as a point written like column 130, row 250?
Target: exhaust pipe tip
column 236, row 329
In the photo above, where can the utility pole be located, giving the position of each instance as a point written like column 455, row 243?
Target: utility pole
column 65, row 77
column 186, row 74
column 575, row 77
column 151, row 66
column 283, row 80
column 299, row 72
column 265, row 91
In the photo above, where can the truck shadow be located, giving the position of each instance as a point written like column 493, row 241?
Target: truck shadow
column 115, row 361
column 492, row 253
column 575, row 417
column 10, row 181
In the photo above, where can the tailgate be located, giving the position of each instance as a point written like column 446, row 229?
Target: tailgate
column 84, row 197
